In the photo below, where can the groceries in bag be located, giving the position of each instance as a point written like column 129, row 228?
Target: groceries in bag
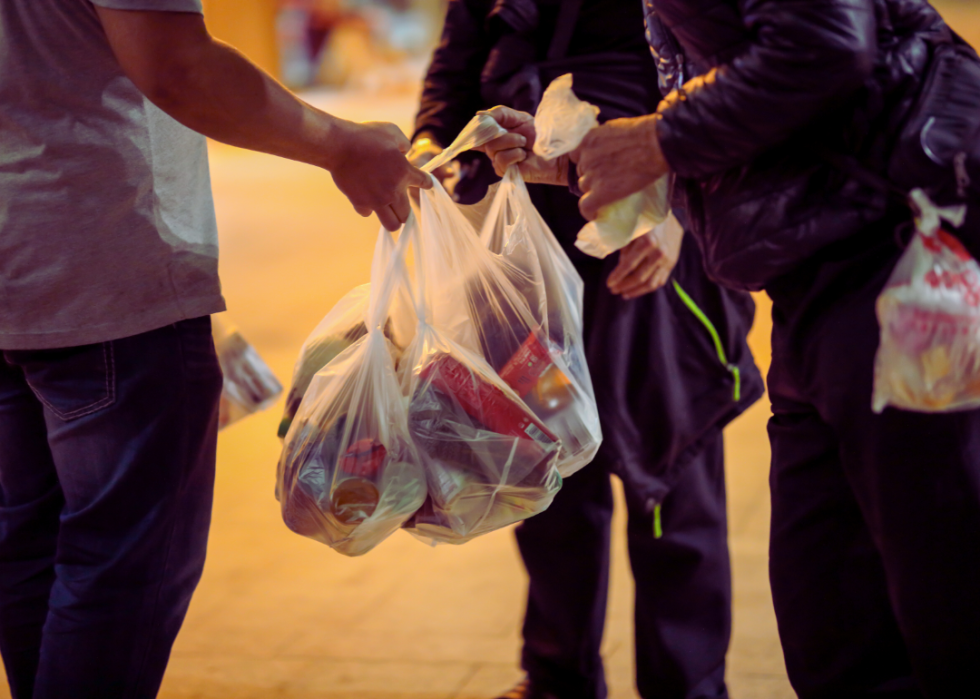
column 490, row 461
column 560, row 124
column 249, row 384
column 548, row 370
column 929, row 312
column 350, row 475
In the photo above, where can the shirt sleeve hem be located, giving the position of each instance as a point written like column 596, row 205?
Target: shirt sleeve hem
column 152, row 5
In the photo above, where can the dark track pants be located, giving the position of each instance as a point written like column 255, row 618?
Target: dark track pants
column 875, row 546
column 106, row 478
column 683, row 586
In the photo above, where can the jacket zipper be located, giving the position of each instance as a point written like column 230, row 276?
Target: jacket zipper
column 719, row 348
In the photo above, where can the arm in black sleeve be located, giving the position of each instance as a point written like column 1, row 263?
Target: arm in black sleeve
column 451, row 92
column 804, row 58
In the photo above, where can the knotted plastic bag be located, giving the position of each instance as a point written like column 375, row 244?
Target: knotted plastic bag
column 548, row 368
column 350, row 474
column 929, row 312
column 249, row 384
column 561, row 122
column 490, row 460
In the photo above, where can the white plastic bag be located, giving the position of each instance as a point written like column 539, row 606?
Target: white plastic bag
column 343, row 326
column 929, row 312
column 350, row 474
column 561, row 122
column 490, row 461
column 249, row 384
column 548, row 370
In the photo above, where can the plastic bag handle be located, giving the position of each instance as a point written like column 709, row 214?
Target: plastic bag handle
column 388, row 269
column 480, row 130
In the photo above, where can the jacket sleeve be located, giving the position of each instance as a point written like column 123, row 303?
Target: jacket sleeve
column 451, row 91
column 803, row 58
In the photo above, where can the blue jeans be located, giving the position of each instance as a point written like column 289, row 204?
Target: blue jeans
column 106, row 480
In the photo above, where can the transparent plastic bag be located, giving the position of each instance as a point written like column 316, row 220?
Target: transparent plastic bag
column 350, row 474
column 490, row 461
column 561, row 122
column 548, row 370
column 343, row 326
column 249, row 384
column 928, row 359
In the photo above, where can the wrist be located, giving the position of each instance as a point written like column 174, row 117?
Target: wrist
column 650, row 138
column 333, row 137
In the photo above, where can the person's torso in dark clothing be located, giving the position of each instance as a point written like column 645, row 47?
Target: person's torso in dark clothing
column 759, row 218
column 660, row 383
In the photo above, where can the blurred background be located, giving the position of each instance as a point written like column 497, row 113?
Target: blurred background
column 278, row 616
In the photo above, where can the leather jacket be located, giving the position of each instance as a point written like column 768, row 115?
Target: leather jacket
column 762, row 95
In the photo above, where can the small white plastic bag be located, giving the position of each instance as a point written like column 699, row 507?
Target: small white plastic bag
column 561, row 122
column 929, row 312
column 490, row 461
column 350, row 474
column 249, row 384
column 548, row 370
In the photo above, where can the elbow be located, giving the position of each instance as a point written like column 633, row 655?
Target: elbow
column 168, row 84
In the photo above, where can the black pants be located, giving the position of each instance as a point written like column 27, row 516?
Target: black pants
column 106, row 475
column 683, row 586
column 875, row 547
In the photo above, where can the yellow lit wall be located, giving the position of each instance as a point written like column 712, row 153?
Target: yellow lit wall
column 249, row 26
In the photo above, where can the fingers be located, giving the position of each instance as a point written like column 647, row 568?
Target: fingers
column 509, row 118
column 504, row 159
column 401, row 141
column 401, row 208
column 630, row 258
column 506, row 142
column 588, row 206
column 388, row 218
column 419, row 178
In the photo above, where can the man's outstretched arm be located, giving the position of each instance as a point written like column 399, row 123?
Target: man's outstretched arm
column 210, row 87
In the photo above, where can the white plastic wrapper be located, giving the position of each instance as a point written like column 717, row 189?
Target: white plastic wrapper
column 561, row 122
column 350, row 474
column 490, row 460
column 929, row 312
column 249, row 384
column 548, row 369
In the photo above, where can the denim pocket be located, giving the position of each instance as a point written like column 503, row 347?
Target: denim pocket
column 73, row 381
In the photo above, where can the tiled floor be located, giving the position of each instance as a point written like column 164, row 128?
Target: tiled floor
column 281, row 617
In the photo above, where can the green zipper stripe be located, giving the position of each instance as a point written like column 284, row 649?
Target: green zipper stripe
column 719, row 348
column 658, row 530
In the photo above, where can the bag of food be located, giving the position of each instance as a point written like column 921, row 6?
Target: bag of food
column 548, row 369
column 561, row 122
column 350, row 474
column 490, row 461
column 249, row 384
column 929, row 313
column 343, row 326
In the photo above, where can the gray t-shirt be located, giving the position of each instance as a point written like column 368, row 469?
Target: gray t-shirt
column 107, row 224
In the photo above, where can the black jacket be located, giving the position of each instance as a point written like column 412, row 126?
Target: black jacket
column 663, row 382
column 763, row 96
